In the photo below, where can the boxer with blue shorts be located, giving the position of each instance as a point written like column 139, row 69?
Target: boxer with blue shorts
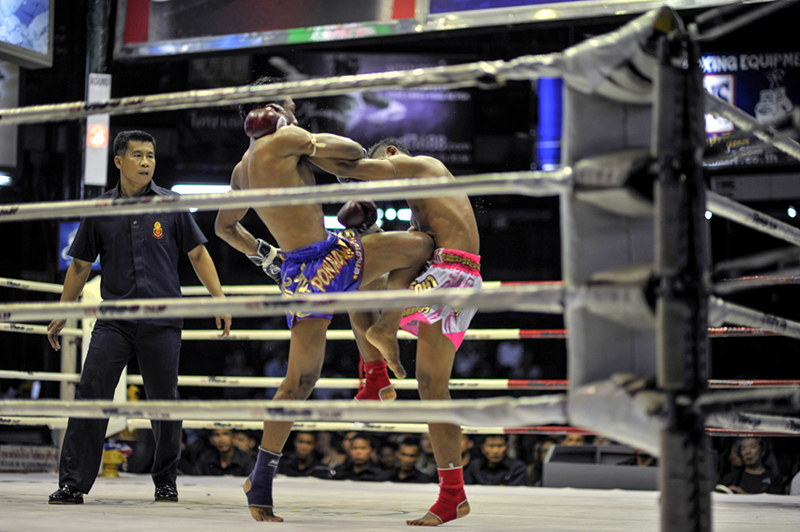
column 314, row 260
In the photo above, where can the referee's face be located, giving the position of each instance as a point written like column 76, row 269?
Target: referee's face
column 138, row 164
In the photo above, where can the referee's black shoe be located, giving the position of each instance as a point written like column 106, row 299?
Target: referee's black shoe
column 66, row 495
column 166, row 493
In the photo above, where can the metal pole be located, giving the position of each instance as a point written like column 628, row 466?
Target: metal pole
column 97, row 22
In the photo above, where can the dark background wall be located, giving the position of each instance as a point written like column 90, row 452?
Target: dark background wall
column 520, row 236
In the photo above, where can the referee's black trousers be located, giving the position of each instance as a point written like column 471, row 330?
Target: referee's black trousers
column 114, row 342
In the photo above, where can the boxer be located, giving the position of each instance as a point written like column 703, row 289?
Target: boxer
column 314, row 259
column 450, row 221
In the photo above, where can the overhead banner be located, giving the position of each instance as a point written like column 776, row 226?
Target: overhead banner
column 449, row 6
column 182, row 19
column 764, row 85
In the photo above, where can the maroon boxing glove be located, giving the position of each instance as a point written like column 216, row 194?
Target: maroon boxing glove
column 264, row 121
column 360, row 215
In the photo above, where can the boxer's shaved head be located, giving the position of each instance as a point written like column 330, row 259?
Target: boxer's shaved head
column 245, row 108
column 379, row 148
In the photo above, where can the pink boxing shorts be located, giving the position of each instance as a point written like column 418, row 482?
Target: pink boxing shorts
column 449, row 268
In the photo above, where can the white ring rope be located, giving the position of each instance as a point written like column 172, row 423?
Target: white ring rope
column 781, row 429
column 743, row 423
column 724, row 311
column 484, row 74
column 475, row 412
column 233, row 381
column 759, row 422
column 347, row 334
column 734, row 211
column 35, row 286
column 273, row 382
column 56, row 288
column 27, row 328
column 523, row 183
column 788, row 277
column 522, row 298
column 531, row 298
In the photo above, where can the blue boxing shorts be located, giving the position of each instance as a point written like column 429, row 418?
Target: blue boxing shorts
column 335, row 264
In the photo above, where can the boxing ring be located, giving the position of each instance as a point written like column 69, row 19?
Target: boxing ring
column 639, row 297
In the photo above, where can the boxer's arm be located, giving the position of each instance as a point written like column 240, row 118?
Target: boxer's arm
column 295, row 141
column 227, row 225
column 397, row 167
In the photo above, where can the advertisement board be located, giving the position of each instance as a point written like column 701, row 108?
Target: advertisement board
column 66, row 234
column 764, row 85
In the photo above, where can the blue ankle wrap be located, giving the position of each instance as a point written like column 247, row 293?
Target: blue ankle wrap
column 260, row 492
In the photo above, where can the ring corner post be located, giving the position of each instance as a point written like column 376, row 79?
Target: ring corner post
column 682, row 270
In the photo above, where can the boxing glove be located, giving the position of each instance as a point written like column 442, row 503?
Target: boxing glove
column 360, row 215
column 264, row 121
column 269, row 259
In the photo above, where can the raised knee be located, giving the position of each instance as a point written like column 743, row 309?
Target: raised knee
column 426, row 245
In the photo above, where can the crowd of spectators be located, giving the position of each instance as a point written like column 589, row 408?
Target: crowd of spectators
column 746, row 465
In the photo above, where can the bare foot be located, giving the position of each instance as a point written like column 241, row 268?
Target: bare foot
column 386, row 342
column 264, row 514
column 431, row 520
column 388, row 394
column 260, row 513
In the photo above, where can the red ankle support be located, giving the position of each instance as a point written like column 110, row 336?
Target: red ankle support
column 376, row 378
column 451, row 494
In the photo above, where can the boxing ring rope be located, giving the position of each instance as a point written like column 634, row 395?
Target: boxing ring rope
column 523, row 183
column 723, row 286
column 498, row 413
column 401, row 428
column 347, row 334
column 483, row 74
column 478, row 74
column 477, row 412
column 736, row 212
column 234, row 381
column 524, row 298
column 547, row 299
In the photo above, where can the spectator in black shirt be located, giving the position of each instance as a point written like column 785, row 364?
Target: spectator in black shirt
column 466, row 449
column 754, row 477
column 139, row 258
column 303, row 462
column 360, row 463
column 406, row 471
column 246, row 441
column 225, row 458
column 387, row 456
column 495, row 468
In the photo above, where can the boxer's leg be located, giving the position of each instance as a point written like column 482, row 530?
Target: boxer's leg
column 435, row 356
column 403, row 255
column 306, row 355
column 377, row 386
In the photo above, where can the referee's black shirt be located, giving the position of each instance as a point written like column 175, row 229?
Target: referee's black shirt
column 138, row 252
